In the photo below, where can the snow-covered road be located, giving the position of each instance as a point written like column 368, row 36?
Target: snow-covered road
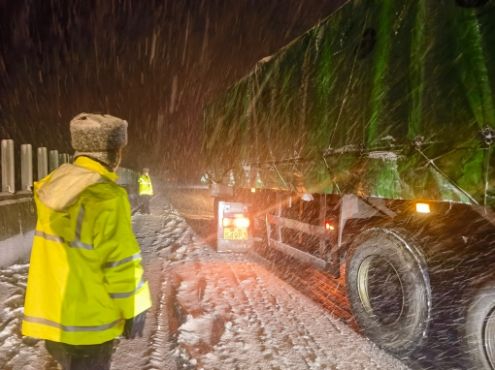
column 210, row 311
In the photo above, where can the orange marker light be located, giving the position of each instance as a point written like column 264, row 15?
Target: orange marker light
column 423, row 208
column 329, row 226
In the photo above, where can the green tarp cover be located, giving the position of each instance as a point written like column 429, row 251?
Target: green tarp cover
column 390, row 99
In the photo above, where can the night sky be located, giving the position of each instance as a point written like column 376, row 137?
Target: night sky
column 154, row 63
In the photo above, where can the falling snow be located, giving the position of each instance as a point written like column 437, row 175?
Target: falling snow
column 210, row 311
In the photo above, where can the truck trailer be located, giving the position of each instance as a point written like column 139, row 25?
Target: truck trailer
column 366, row 146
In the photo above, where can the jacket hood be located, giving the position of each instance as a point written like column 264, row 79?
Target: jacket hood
column 63, row 186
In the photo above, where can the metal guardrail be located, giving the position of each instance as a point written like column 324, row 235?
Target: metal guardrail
column 46, row 162
column 17, row 211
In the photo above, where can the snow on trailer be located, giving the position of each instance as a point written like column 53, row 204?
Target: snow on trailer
column 368, row 143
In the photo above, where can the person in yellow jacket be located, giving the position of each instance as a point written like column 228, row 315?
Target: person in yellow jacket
column 85, row 284
column 145, row 191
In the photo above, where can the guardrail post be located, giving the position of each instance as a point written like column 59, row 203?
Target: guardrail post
column 42, row 162
column 53, row 160
column 26, row 167
column 8, row 166
column 63, row 158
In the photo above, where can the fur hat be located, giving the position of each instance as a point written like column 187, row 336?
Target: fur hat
column 98, row 132
column 98, row 136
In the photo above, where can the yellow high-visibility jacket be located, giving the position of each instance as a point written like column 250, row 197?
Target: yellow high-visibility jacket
column 145, row 186
column 85, row 275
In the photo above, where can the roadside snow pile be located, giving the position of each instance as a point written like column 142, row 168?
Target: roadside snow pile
column 13, row 279
column 201, row 332
column 17, row 352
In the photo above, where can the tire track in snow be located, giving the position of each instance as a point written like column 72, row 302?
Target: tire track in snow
column 307, row 349
column 288, row 305
column 259, row 303
column 260, row 334
column 159, row 354
column 268, row 323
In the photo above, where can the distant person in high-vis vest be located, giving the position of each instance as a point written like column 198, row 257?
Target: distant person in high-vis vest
column 145, row 191
column 85, row 284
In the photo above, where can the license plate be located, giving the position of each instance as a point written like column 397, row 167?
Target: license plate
column 235, row 234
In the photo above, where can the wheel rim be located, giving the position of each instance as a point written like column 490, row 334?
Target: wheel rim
column 381, row 290
column 489, row 338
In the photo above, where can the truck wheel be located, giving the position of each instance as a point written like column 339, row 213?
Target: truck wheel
column 389, row 291
column 480, row 328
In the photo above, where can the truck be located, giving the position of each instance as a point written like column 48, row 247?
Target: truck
column 365, row 147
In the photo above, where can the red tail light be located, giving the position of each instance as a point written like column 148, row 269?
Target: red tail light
column 239, row 221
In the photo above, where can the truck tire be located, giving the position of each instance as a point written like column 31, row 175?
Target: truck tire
column 389, row 291
column 480, row 328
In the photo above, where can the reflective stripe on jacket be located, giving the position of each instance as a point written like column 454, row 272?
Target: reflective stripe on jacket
column 85, row 275
column 145, row 186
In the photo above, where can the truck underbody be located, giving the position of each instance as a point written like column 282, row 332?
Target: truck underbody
column 411, row 277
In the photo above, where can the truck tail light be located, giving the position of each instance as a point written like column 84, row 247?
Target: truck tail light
column 238, row 221
column 241, row 222
column 423, row 208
